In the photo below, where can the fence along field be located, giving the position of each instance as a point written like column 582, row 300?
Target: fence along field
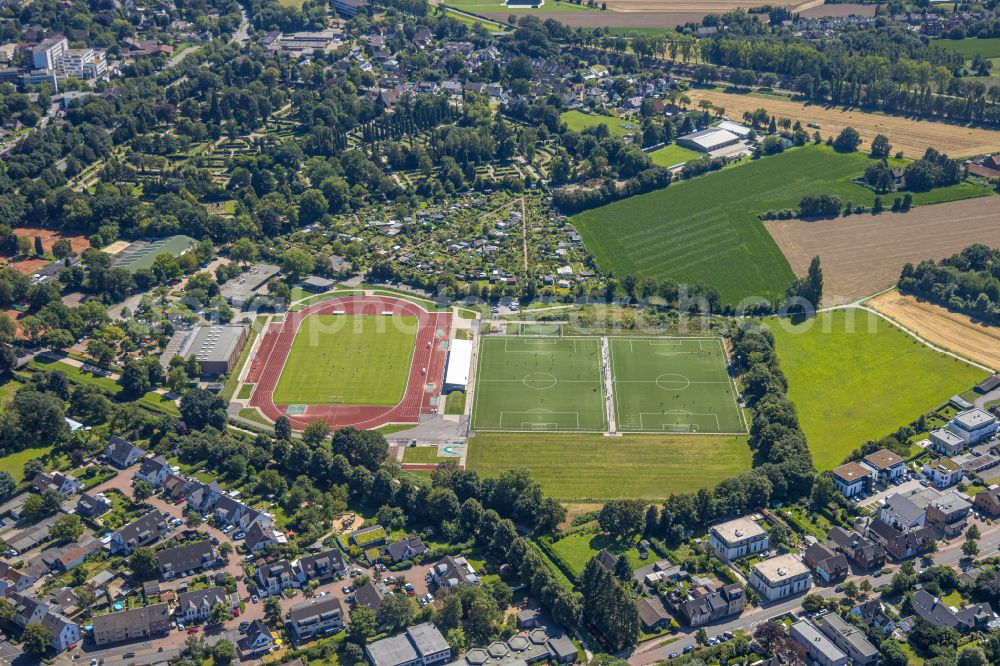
column 673, row 385
column 911, row 136
column 526, row 383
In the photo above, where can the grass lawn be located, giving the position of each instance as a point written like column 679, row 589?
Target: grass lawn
column 348, row 359
column 490, row 26
column 454, row 403
column 706, row 229
column 855, row 381
column 526, row 383
column 14, row 463
column 673, row 154
column 971, row 46
column 673, row 384
column 395, row 427
column 245, row 392
column 252, row 414
column 113, row 389
column 592, row 467
column 579, row 121
column 579, row 548
column 424, row 454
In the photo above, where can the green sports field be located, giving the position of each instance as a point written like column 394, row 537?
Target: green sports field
column 591, row 467
column 706, row 230
column 852, row 377
column 492, row 6
column 674, row 385
column 528, row 383
column 673, row 154
column 348, row 359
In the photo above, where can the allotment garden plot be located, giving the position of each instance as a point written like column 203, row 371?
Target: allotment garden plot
column 535, row 383
column 674, row 385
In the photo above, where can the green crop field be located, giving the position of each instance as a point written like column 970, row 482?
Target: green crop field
column 706, row 230
column 673, row 384
column 673, row 154
column 348, row 359
column 526, row 383
column 971, row 47
column 853, row 377
column 591, row 467
column 579, row 121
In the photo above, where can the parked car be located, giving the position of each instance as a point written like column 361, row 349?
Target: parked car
column 129, row 654
column 244, row 626
column 239, row 535
column 255, row 598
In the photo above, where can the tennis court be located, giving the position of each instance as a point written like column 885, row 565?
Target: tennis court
column 536, row 383
column 673, row 385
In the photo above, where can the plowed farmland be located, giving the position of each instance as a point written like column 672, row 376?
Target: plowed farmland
column 863, row 254
column 941, row 327
column 911, row 136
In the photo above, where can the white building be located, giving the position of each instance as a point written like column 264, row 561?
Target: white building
column 84, row 63
column 943, row 472
column 851, row 478
column 49, row 53
column 780, row 577
column 456, row 376
column 737, row 538
column 973, row 426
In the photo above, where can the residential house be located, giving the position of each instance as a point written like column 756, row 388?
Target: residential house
column 606, row 559
column 72, row 556
column 63, row 484
column 885, row 464
column 652, row 614
column 258, row 639
column 322, row 566
column 852, row 479
column 153, row 470
column 453, row 571
column 13, row 580
column 369, row 537
column 738, row 538
column 943, row 472
column 946, row 442
column 902, row 512
column 865, row 553
column 371, row 595
column 27, row 609
column 64, row 631
column 934, row 611
column 988, row 500
column 316, row 617
column 849, row 639
column 407, row 549
column 872, row 613
column 780, row 577
column 703, row 603
column 820, row 649
column 195, row 606
column 122, row 453
column 261, row 535
column 949, row 515
column 832, row 567
column 421, row 644
column 141, row 532
column 277, row 576
column 899, row 545
column 138, row 623
column 92, row 506
column 187, row 559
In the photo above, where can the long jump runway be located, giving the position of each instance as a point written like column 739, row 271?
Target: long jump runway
column 432, row 329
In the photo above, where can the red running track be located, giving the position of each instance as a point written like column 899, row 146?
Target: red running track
column 267, row 364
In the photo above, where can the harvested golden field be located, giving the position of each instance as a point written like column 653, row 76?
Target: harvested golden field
column 691, row 6
column 939, row 326
column 911, row 136
column 864, row 254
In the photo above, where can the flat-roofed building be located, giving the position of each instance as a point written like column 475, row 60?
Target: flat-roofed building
column 973, row 426
column 943, row 472
column 819, row 648
column 946, row 442
column 456, row 376
column 780, row 577
column 348, row 8
column 216, row 348
column 849, row 639
column 419, row 645
column 238, row 291
column 950, row 514
column 886, row 465
column 707, row 140
column 737, row 538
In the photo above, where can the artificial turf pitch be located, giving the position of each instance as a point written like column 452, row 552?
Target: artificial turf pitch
column 528, row 383
column 673, row 385
column 348, row 359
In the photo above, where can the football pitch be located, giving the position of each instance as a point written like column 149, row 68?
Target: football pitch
column 349, row 360
column 528, row 383
column 673, row 385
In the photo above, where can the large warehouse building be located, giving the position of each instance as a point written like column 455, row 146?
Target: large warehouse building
column 708, row 140
column 215, row 347
column 456, row 376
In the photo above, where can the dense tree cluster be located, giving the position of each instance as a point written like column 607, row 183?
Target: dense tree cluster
column 967, row 282
column 608, row 607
